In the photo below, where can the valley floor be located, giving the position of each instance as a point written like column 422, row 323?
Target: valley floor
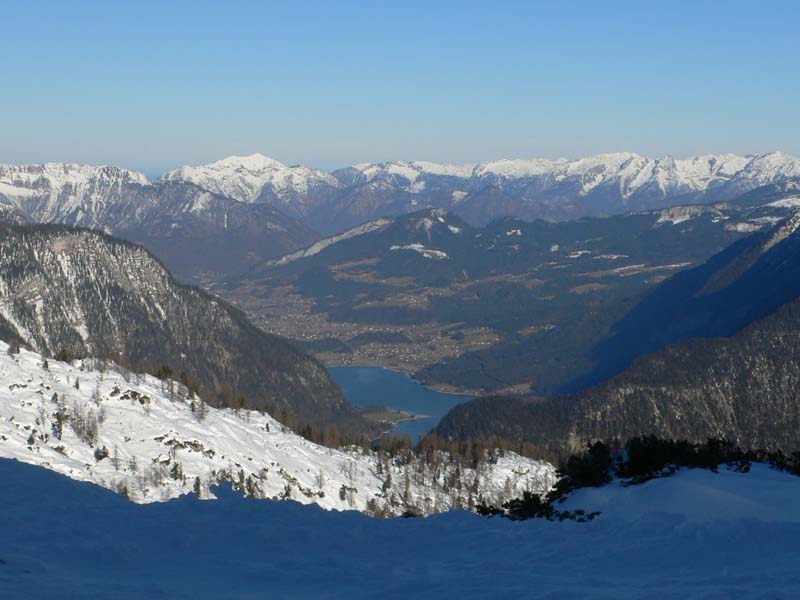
column 408, row 348
column 694, row 535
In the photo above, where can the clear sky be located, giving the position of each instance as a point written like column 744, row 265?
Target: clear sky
column 151, row 85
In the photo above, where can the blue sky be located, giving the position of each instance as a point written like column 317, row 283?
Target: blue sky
column 151, row 85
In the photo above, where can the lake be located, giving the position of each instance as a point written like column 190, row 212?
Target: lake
column 374, row 386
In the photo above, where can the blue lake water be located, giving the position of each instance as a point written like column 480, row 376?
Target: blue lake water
column 374, row 386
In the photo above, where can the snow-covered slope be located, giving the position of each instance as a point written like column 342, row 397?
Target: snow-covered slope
column 257, row 177
column 680, row 214
column 426, row 252
column 699, row 495
column 694, row 535
column 145, row 437
column 330, row 241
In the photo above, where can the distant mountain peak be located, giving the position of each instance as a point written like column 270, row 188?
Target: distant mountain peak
column 247, row 178
column 256, row 157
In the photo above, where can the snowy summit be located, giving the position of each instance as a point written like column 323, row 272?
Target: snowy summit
column 248, row 178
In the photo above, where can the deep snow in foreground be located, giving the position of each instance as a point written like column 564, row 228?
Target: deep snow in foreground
column 693, row 535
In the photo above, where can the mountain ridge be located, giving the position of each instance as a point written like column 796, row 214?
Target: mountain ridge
column 550, row 188
column 79, row 292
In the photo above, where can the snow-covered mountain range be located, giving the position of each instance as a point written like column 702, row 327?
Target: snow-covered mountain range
column 152, row 441
column 561, row 189
column 194, row 230
column 628, row 172
column 554, row 189
column 80, row 194
column 252, row 208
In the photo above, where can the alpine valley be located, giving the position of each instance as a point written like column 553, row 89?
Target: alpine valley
column 512, row 307
column 593, row 300
column 461, row 305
